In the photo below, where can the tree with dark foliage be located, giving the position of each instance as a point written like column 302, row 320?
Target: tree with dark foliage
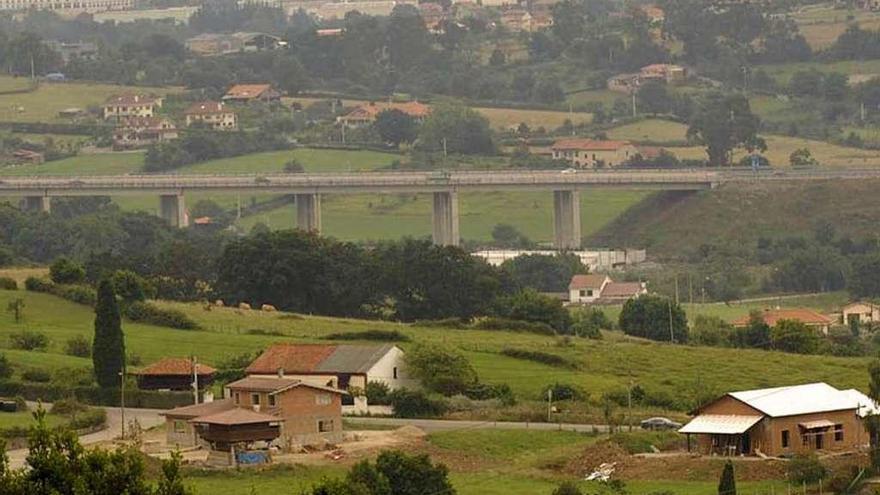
column 108, row 348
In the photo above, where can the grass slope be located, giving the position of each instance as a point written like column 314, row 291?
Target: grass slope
column 672, row 225
column 602, row 365
column 92, row 164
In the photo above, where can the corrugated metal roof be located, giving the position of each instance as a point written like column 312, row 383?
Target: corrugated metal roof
column 867, row 406
column 353, row 358
column 797, row 399
column 720, row 424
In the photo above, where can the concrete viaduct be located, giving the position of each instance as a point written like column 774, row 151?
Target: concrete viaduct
column 308, row 189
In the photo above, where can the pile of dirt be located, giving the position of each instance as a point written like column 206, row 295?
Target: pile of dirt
column 668, row 466
column 410, row 432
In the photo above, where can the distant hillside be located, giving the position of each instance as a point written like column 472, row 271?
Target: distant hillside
column 671, row 225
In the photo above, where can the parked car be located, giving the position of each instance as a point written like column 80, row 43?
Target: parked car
column 659, row 423
column 570, row 171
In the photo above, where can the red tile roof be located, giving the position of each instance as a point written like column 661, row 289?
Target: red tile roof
column 371, row 110
column 175, row 367
column 275, row 385
column 589, row 145
column 247, row 90
column 772, row 316
column 590, row 281
column 203, row 409
column 236, row 416
column 206, row 108
column 622, row 289
column 292, row 358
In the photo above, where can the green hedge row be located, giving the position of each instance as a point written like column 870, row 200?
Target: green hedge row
column 150, row 313
column 95, row 395
column 79, row 294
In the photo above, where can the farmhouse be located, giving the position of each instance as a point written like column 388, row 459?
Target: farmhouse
column 175, row 374
column 600, row 289
column 782, row 421
column 863, row 312
column 208, row 44
column 591, row 153
column 366, row 114
column 212, row 114
column 806, row 316
column 246, row 93
column 339, row 366
column 134, row 132
column 254, row 410
column 131, row 105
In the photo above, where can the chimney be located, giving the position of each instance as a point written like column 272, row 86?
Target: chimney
column 281, row 372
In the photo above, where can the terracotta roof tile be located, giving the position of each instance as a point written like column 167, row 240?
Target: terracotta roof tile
column 236, row 416
column 292, row 358
column 175, row 366
column 772, row 316
column 131, row 99
column 247, row 90
column 206, row 108
column 589, row 145
column 622, row 289
column 274, row 385
column 202, row 409
column 588, row 281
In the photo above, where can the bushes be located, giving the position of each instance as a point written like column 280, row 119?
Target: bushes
column 415, row 404
column 380, row 335
column 485, row 391
column 91, row 418
column 28, row 340
column 36, row 375
column 563, row 391
column 150, row 313
column 377, row 393
column 50, row 392
column 493, row 323
column 7, row 283
column 441, row 370
column 538, row 357
column 5, row 367
column 650, row 317
column 78, row 346
column 806, row 469
column 79, row 294
column 529, row 305
column 65, row 271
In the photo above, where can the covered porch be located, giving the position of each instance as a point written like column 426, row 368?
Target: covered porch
column 722, row 434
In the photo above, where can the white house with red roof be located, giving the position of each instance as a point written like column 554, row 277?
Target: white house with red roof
column 364, row 115
column 593, row 153
column 595, row 288
column 131, row 105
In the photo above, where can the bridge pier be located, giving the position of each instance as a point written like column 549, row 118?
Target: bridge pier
column 308, row 212
column 445, row 219
column 37, row 203
column 566, row 219
column 172, row 209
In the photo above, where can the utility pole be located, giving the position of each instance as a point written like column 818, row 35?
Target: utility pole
column 635, row 110
column 676, row 289
column 444, row 147
column 549, row 404
column 122, row 399
column 671, row 329
column 195, row 382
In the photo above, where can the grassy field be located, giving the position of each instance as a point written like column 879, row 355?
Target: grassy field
column 602, row 365
column 44, row 104
column 92, row 164
column 359, row 217
column 499, row 118
column 25, row 419
column 822, row 24
column 652, row 130
column 603, row 96
column 672, row 225
column 21, row 274
column 856, row 70
column 313, row 160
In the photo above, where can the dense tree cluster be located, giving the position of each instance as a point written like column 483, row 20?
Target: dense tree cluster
column 655, row 318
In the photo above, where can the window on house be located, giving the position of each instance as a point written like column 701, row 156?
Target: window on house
column 805, row 439
column 271, row 400
column 255, row 399
column 394, row 372
column 325, row 425
column 838, row 433
column 237, row 398
column 583, row 293
column 323, row 399
column 179, row 426
column 590, row 293
column 785, row 439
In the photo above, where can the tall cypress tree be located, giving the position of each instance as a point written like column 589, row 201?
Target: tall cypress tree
column 727, row 484
column 108, row 348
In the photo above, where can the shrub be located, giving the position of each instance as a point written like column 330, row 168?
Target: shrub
column 150, row 313
column 28, row 340
column 129, row 285
column 66, row 271
column 79, row 294
column 806, row 469
column 260, row 331
column 78, row 346
column 36, row 284
column 494, row 323
column 441, row 370
column 538, row 357
column 443, row 323
column 485, row 391
column 67, row 407
column 377, row 393
column 650, row 317
column 91, row 418
column 380, row 335
column 5, row 367
column 529, row 305
column 415, row 404
column 567, row 488
column 7, row 283
column 36, row 375
column 586, row 330
column 563, row 391
column 589, row 321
